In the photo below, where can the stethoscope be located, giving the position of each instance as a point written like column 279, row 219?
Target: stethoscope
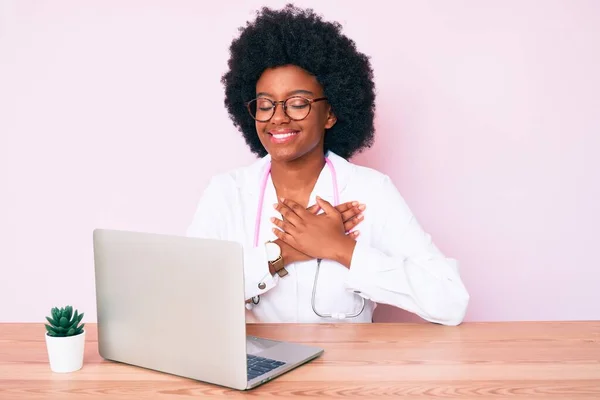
column 255, row 300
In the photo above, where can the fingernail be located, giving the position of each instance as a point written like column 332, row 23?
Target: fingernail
column 272, row 219
column 282, row 199
column 356, row 233
column 355, row 203
column 275, row 205
column 360, row 216
column 362, row 207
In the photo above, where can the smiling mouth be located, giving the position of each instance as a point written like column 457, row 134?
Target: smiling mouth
column 283, row 136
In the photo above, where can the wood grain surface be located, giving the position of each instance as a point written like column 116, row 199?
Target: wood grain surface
column 520, row 360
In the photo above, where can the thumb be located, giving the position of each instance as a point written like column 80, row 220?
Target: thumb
column 328, row 208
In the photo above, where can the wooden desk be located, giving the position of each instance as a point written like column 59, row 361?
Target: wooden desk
column 471, row 361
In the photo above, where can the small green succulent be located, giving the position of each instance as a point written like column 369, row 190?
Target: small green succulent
column 64, row 322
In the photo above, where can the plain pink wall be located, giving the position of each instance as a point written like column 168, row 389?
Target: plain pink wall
column 487, row 121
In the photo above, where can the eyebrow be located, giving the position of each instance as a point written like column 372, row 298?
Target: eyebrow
column 292, row 93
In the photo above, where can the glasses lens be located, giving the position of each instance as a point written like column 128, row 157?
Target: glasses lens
column 297, row 108
column 261, row 109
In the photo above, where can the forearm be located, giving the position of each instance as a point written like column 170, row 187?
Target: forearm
column 289, row 254
column 427, row 284
column 342, row 253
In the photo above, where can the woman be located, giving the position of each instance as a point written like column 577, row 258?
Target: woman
column 303, row 97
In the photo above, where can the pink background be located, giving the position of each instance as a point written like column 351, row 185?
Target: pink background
column 487, row 121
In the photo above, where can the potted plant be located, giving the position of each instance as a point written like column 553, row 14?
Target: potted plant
column 65, row 339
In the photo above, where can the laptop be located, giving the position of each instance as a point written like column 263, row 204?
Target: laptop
column 176, row 305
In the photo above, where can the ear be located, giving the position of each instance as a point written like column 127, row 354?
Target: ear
column 331, row 119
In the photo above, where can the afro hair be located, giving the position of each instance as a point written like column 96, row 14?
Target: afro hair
column 300, row 37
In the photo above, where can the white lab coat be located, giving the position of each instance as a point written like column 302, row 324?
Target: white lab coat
column 394, row 261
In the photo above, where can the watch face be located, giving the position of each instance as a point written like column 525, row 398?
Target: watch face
column 273, row 251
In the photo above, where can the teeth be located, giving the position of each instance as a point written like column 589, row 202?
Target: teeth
column 283, row 135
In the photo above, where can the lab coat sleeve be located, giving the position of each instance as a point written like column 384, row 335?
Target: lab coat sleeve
column 214, row 218
column 402, row 267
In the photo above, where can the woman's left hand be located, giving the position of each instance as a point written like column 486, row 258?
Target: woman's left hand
column 317, row 236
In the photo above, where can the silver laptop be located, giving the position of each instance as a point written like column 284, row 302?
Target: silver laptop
column 176, row 305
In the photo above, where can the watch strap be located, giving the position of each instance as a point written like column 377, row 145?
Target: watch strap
column 279, row 266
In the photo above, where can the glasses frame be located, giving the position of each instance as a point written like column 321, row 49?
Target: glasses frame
column 282, row 102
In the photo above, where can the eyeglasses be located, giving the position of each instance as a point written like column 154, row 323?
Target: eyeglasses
column 296, row 108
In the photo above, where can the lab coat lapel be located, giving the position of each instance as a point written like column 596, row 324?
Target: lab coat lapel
column 342, row 170
column 324, row 186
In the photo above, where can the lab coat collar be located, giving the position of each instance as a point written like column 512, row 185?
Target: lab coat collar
column 253, row 175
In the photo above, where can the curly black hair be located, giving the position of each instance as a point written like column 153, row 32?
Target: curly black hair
column 302, row 38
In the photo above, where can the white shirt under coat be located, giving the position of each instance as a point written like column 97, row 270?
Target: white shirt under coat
column 394, row 262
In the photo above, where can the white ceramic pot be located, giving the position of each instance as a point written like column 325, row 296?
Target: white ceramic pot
column 65, row 353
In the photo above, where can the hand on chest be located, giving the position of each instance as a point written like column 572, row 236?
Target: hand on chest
column 311, row 226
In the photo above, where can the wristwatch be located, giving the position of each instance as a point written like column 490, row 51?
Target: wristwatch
column 275, row 259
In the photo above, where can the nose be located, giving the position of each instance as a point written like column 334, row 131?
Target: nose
column 279, row 115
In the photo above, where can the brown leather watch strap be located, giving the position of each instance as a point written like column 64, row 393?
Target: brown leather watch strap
column 279, row 267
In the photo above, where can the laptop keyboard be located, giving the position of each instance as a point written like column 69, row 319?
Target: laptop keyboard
column 260, row 365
